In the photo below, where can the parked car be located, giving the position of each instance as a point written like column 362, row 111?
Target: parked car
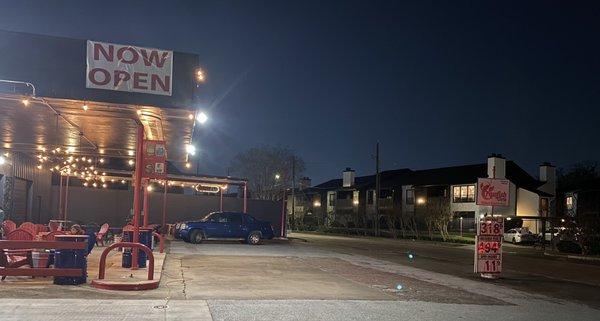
column 551, row 234
column 519, row 235
column 226, row 226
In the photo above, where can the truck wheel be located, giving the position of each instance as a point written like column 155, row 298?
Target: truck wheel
column 253, row 238
column 196, row 237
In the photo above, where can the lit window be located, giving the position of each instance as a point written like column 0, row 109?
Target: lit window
column 410, row 196
column 463, row 194
column 569, row 202
column 471, row 193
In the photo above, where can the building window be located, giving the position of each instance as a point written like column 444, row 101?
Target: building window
column 331, row 199
column 410, row 197
column 463, row 194
column 544, row 206
column 370, row 197
column 569, row 202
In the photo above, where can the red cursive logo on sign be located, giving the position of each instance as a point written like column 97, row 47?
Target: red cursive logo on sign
column 488, row 193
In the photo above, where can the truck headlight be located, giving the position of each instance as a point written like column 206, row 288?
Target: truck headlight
column 183, row 226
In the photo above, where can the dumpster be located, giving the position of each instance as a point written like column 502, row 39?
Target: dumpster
column 71, row 259
column 145, row 238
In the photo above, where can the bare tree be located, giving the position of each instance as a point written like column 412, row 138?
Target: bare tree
column 268, row 170
column 437, row 216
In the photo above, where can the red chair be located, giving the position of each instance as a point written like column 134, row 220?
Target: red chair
column 12, row 261
column 20, row 234
column 16, row 258
column 54, row 226
column 8, row 226
column 39, row 228
column 28, row 226
column 101, row 234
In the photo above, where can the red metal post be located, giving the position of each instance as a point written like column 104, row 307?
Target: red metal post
column 146, row 202
column 245, row 197
column 161, row 240
column 164, row 208
column 66, row 198
column 221, row 200
column 60, row 197
column 137, row 185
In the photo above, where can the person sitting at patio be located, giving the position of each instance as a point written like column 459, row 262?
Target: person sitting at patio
column 76, row 230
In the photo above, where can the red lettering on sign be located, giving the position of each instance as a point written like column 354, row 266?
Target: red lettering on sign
column 134, row 55
column 489, row 193
column 120, row 77
column 140, row 79
column 99, row 49
column 92, row 76
column 153, row 58
column 164, row 85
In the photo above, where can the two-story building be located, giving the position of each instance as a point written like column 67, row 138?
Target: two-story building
column 351, row 200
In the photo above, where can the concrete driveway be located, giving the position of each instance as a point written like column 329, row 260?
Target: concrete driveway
column 283, row 280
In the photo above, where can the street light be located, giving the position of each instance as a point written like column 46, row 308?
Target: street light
column 190, row 149
column 202, row 117
column 277, row 176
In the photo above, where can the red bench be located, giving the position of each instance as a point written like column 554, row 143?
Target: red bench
column 8, row 268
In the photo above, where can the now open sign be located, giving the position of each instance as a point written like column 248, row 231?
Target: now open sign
column 129, row 68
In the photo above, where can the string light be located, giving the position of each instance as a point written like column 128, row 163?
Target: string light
column 101, row 160
column 122, row 181
column 85, row 107
column 131, row 162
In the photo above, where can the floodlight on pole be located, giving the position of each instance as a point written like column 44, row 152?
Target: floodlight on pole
column 190, row 149
column 202, row 117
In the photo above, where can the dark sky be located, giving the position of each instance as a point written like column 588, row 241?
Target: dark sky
column 437, row 83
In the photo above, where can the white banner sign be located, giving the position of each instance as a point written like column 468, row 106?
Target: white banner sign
column 129, row 68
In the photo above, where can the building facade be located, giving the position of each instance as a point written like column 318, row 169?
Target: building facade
column 405, row 196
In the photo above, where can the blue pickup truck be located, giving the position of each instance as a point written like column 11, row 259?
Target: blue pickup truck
column 226, row 226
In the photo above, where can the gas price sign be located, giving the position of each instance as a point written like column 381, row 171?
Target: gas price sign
column 488, row 251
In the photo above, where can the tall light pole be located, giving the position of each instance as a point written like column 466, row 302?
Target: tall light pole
column 377, row 189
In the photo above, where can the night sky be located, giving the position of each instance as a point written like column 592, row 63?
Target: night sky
column 437, row 84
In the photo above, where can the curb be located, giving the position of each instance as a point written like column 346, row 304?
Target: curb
column 575, row 257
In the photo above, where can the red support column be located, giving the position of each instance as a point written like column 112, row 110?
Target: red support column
column 245, row 197
column 137, row 185
column 60, row 197
column 164, row 208
column 146, row 202
column 66, row 198
column 221, row 200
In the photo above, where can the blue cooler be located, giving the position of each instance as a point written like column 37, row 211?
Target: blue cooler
column 71, row 259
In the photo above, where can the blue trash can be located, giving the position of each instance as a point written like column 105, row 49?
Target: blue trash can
column 146, row 239
column 71, row 259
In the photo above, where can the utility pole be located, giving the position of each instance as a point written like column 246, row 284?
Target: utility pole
column 377, row 190
column 293, row 187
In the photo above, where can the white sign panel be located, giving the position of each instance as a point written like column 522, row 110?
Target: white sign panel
column 129, row 68
column 493, row 192
column 488, row 246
